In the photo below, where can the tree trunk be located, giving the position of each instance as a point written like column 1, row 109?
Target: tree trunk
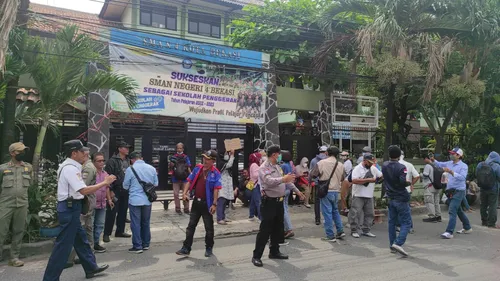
column 39, row 145
column 439, row 144
column 352, row 76
column 9, row 117
column 389, row 120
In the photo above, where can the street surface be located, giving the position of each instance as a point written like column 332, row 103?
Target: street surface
column 474, row 256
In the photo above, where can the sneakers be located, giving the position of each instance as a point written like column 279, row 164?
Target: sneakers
column 340, row 235
column 355, row 235
column 430, row 219
column 289, row 234
column 208, row 252
column 446, row 235
column 399, row 249
column 369, row 234
column 178, row 212
column 228, row 220
column 307, row 206
column 318, row 222
column 222, row 222
column 145, row 248
column 135, row 251
column 183, row 252
column 16, row 263
column 329, row 239
column 251, row 219
column 99, row 249
column 284, row 243
column 465, row 231
column 438, row 219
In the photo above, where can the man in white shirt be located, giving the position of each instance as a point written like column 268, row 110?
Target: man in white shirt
column 71, row 190
column 412, row 176
column 364, row 177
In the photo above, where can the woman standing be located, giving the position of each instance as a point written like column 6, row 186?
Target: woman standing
column 254, row 163
column 302, row 172
column 226, row 194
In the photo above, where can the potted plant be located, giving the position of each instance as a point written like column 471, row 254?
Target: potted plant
column 48, row 193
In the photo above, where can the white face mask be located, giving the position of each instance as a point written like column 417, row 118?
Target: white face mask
column 304, row 165
column 226, row 157
column 263, row 159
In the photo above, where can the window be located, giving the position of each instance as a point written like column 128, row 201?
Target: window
column 158, row 15
column 204, row 24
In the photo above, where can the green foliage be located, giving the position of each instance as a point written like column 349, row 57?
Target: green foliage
column 48, row 195
column 396, row 70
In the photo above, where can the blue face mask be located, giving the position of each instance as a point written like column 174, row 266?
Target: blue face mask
column 279, row 158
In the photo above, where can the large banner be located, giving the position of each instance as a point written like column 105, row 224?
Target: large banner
column 184, row 87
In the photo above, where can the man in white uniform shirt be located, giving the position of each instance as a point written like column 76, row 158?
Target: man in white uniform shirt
column 364, row 177
column 71, row 190
column 411, row 176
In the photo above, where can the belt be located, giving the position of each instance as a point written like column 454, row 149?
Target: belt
column 199, row 199
column 277, row 199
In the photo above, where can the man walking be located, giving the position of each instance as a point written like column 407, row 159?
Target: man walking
column 139, row 205
column 16, row 177
column 488, row 179
column 117, row 165
column 364, row 177
column 203, row 187
column 181, row 168
column 431, row 193
column 71, row 190
column 273, row 185
column 331, row 169
column 455, row 190
column 322, row 155
column 399, row 208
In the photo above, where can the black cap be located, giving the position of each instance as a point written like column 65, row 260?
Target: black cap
column 135, row 155
column 210, row 154
column 369, row 157
column 122, row 144
column 73, row 145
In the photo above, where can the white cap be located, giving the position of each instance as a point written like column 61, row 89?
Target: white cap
column 323, row 148
column 457, row 151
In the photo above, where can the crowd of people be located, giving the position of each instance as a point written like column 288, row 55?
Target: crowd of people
column 95, row 195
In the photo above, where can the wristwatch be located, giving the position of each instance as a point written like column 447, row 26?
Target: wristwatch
column 214, row 204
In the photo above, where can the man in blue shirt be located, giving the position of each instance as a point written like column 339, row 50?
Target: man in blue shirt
column 455, row 190
column 139, row 205
column 399, row 210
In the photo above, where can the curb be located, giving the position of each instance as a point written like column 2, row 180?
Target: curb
column 30, row 249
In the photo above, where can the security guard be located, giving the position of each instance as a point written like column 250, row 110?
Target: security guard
column 70, row 194
column 15, row 178
column 273, row 184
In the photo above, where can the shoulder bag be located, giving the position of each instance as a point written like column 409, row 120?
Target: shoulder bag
column 324, row 185
column 148, row 187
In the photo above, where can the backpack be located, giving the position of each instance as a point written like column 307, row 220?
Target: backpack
column 437, row 173
column 180, row 168
column 486, row 178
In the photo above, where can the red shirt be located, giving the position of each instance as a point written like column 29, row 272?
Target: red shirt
column 200, row 190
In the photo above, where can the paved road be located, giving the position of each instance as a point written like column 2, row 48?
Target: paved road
column 474, row 256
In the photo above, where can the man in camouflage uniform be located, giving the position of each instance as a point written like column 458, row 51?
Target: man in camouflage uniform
column 15, row 178
column 89, row 173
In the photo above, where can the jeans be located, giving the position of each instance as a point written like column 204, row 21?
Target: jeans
column 330, row 210
column 199, row 209
column 287, row 222
column 255, row 203
column 465, row 202
column 140, row 222
column 99, row 219
column 271, row 227
column 454, row 210
column 221, row 208
column 489, row 202
column 399, row 211
column 72, row 235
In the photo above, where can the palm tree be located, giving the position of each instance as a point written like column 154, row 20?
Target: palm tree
column 59, row 68
column 8, row 13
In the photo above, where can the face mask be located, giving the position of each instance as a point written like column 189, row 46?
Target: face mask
column 368, row 166
column 226, row 157
column 304, row 165
column 453, row 157
column 263, row 159
column 20, row 156
column 279, row 158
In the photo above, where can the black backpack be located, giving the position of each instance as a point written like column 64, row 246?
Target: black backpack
column 486, row 178
column 180, row 168
column 437, row 176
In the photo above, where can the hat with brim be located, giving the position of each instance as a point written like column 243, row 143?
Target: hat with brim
column 369, row 158
column 17, row 146
column 323, row 148
column 457, row 151
column 73, row 145
column 210, row 154
column 123, row 144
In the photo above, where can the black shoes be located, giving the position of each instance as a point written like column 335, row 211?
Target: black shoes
column 278, row 256
column 127, row 221
column 432, row 219
column 105, row 239
column 99, row 249
column 438, row 219
column 318, row 222
column 208, row 252
column 123, row 235
column 77, row 261
column 257, row 262
column 183, row 252
column 96, row 271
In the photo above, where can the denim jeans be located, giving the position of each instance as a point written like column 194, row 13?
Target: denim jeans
column 221, row 208
column 454, row 210
column 465, row 203
column 287, row 221
column 99, row 219
column 255, row 202
column 140, row 219
column 330, row 210
column 399, row 212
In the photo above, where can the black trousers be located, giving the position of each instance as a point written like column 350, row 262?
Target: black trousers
column 119, row 212
column 271, row 226
column 199, row 209
column 317, row 209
